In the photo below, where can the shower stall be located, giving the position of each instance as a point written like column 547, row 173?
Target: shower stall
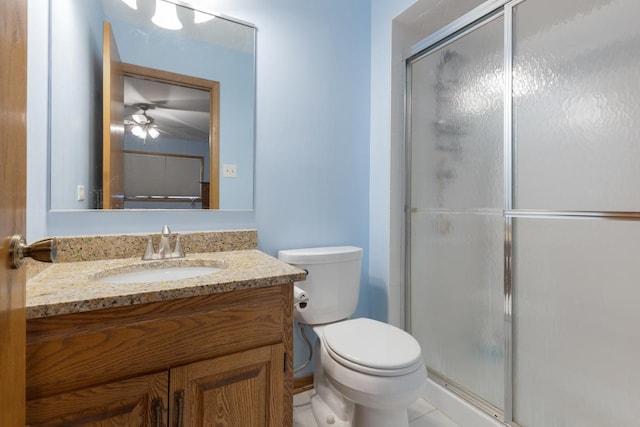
column 523, row 210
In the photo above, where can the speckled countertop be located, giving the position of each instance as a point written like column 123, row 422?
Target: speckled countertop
column 72, row 287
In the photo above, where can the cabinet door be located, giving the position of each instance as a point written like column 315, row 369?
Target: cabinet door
column 238, row 390
column 140, row 401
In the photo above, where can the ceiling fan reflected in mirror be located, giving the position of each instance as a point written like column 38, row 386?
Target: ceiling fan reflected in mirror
column 142, row 125
column 180, row 112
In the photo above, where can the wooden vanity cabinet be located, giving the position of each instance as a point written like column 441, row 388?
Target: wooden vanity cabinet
column 222, row 359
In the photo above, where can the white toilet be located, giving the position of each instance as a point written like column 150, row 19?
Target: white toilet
column 367, row 373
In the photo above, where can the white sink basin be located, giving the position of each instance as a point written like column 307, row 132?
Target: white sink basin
column 159, row 275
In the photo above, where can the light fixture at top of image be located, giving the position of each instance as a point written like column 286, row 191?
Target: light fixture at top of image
column 133, row 4
column 201, row 17
column 166, row 16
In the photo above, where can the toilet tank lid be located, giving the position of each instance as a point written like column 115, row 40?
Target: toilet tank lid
column 322, row 255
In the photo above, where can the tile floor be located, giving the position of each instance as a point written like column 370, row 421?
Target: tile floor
column 421, row 413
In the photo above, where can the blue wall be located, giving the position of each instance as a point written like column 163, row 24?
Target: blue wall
column 76, row 135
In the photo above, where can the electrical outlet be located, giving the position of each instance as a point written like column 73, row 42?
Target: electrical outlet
column 229, row 171
column 80, row 193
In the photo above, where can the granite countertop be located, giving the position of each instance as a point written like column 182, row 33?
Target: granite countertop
column 71, row 287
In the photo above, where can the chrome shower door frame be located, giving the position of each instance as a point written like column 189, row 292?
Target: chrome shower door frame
column 457, row 29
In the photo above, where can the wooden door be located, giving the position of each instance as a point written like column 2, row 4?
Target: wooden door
column 13, row 143
column 238, row 390
column 140, row 401
column 112, row 123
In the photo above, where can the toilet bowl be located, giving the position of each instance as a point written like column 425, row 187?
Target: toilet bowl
column 366, row 372
column 375, row 366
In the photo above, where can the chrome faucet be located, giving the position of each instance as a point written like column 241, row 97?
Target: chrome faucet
column 164, row 250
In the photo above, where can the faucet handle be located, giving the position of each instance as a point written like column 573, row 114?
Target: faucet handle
column 164, row 247
column 177, row 249
column 149, row 252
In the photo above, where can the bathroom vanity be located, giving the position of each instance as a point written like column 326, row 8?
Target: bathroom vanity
column 209, row 350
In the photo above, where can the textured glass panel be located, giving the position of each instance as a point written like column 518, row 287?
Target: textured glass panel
column 577, row 317
column 457, row 302
column 457, row 127
column 576, row 99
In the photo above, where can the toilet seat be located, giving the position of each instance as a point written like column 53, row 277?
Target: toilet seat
column 372, row 347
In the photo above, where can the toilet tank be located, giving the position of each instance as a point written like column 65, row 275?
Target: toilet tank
column 333, row 282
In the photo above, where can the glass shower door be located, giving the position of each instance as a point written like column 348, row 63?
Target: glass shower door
column 456, row 218
column 577, row 213
column 523, row 223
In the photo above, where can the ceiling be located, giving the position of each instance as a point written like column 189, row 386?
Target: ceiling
column 179, row 112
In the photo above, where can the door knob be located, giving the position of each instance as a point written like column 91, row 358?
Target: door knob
column 44, row 250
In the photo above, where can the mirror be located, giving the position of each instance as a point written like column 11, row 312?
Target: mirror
column 146, row 117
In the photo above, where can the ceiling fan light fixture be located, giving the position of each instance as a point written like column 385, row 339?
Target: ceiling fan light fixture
column 140, row 118
column 166, row 16
column 139, row 131
column 153, row 133
column 142, row 124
